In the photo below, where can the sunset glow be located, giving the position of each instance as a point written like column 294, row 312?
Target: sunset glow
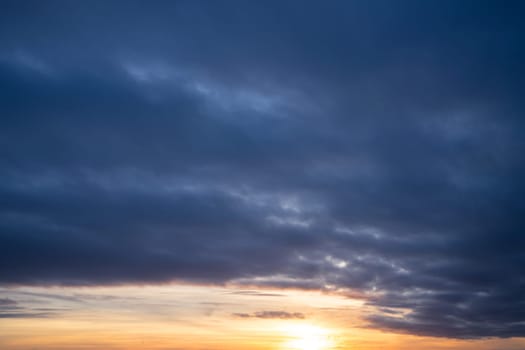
column 307, row 337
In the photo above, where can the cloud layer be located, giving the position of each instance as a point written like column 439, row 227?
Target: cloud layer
column 371, row 148
column 283, row 315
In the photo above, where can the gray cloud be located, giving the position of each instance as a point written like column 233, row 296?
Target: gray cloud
column 284, row 315
column 9, row 308
column 6, row 302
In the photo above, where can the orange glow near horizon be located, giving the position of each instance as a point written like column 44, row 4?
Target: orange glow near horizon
column 307, row 337
column 201, row 317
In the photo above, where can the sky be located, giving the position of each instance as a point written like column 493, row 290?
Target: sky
column 279, row 175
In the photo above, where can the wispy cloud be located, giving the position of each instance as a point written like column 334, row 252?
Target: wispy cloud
column 284, row 315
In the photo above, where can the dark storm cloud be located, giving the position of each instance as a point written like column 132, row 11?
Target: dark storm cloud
column 371, row 148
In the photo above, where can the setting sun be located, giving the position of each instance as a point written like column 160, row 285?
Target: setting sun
column 307, row 337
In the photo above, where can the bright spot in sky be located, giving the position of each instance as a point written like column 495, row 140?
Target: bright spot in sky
column 307, row 337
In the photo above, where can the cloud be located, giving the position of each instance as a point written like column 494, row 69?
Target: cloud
column 283, row 315
column 11, row 309
column 26, row 315
column 7, row 304
column 255, row 293
column 360, row 148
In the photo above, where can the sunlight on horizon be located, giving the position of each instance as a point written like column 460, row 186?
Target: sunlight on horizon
column 307, row 337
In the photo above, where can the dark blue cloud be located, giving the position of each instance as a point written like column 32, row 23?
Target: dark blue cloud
column 370, row 148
